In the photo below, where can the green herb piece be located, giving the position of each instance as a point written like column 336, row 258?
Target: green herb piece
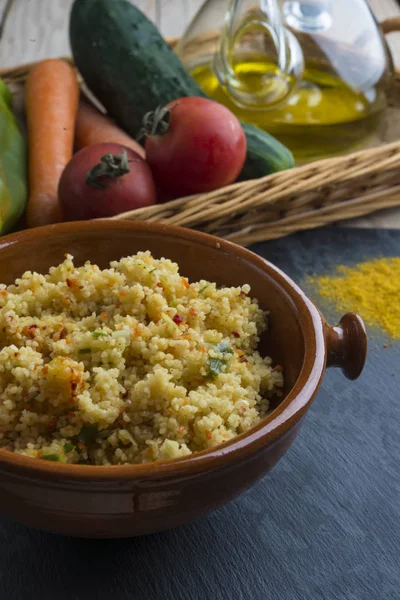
column 51, row 457
column 68, row 447
column 203, row 288
column 152, row 271
column 224, row 347
column 215, row 366
column 97, row 334
column 87, row 434
column 84, row 350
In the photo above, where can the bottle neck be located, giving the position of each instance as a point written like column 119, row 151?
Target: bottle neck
column 260, row 24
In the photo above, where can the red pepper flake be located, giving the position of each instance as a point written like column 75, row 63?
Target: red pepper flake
column 243, row 359
column 29, row 330
column 72, row 283
column 208, row 435
column 243, row 294
column 235, row 334
column 181, row 429
column 159, row 284
column 177, row 319
column 185, row 282
column 193, row 312
column 52, row 425
column 4, row 293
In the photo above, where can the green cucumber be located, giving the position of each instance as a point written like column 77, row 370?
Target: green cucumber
column 129, row 67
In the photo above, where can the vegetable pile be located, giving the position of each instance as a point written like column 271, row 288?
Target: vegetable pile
column 161, row 138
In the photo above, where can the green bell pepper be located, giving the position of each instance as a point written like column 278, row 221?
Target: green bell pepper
column 13, row 165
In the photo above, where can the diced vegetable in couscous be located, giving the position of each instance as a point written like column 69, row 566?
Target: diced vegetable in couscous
column 128, row 364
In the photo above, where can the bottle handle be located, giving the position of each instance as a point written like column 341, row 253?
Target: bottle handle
column 274, row 86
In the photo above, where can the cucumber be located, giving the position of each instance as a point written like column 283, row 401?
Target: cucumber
column 129, row 67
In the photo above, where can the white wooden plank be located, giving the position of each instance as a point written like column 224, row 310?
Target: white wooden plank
column 176, row 15
column 37, row 29
column 385, row 9
column 5, row 7
column 2, row 7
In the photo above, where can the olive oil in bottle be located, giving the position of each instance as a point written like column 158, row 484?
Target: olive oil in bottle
column 323, row 116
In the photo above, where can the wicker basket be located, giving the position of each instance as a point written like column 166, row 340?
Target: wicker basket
column 305, row 197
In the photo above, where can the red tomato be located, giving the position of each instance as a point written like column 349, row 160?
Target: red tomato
column 93, row 186
column 198, row 146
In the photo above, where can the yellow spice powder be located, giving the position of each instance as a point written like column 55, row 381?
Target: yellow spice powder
column 371, row 289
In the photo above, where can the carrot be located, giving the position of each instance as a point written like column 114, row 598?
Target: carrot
column 51, row 98
column 92, row 127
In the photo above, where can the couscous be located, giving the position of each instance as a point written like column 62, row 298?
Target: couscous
column 128, row 364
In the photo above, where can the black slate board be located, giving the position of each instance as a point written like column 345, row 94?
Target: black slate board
column 328, row 528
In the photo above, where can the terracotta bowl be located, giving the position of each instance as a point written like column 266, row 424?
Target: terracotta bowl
column 124, row 501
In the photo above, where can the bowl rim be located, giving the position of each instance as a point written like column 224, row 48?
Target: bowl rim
column 272, row 427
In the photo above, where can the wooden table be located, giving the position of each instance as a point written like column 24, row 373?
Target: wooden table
column 36, row 29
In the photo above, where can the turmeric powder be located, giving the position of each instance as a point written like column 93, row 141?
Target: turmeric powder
column 371, row 289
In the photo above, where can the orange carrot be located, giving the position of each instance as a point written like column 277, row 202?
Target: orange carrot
column 92, row 127
column 51, row 98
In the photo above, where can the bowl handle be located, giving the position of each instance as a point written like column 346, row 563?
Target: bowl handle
column 347, row 345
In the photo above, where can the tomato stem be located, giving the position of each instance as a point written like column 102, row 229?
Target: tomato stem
column 110, row 167
column 156, row 122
